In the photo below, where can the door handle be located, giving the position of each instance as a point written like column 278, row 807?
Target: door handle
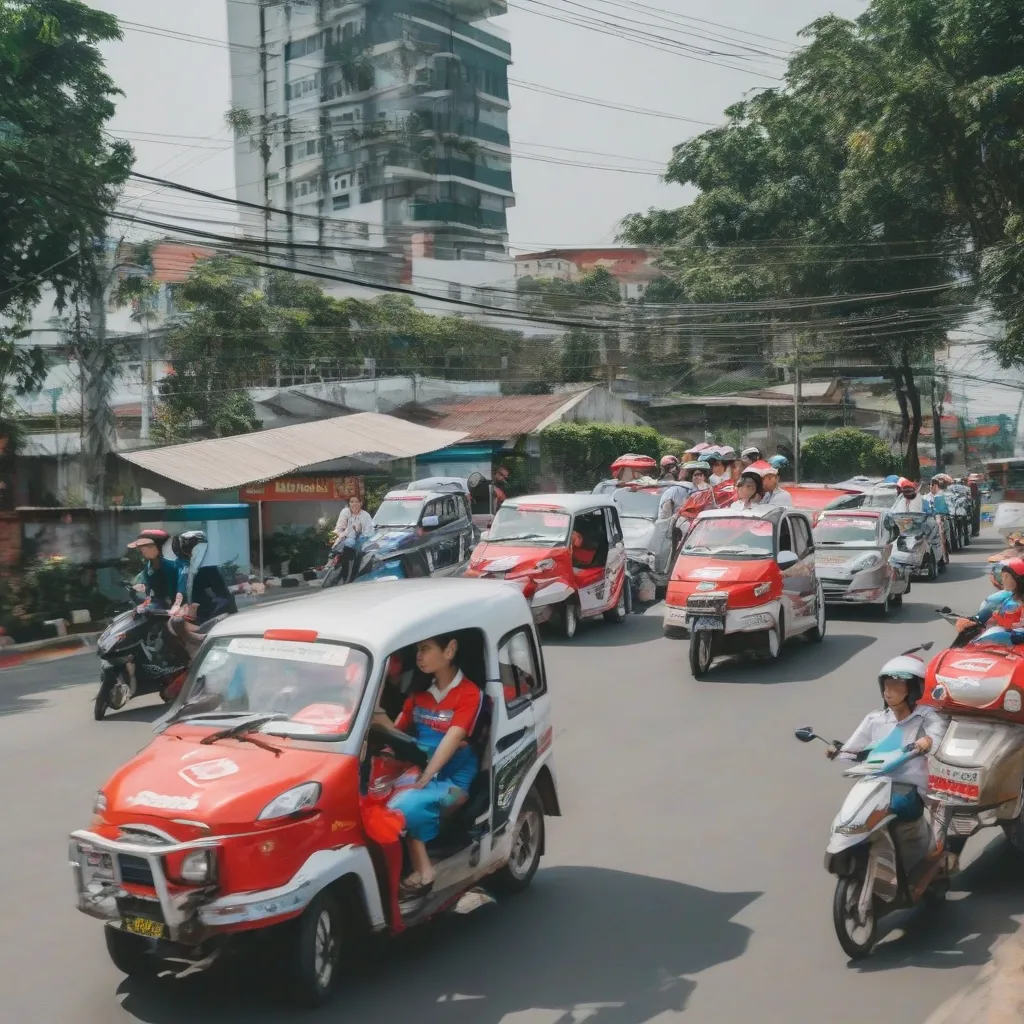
column 510, row 740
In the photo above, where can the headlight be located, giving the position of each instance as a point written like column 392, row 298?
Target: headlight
column 99, row 805
column 291, row 802
column 544, row 564
column 197, row 866
column 869, row 561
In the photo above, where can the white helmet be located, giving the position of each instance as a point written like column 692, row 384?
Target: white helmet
column 908, row 668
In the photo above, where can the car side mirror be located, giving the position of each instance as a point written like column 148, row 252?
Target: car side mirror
column 804, row 734
column 787, row 559
column 484, row 535
column 429, row 522
column 889, row 523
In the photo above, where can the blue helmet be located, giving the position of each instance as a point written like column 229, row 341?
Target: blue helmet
column 892, row 479
column 778, row 461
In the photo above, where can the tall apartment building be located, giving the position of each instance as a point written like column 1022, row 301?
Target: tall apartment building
column 380, row 124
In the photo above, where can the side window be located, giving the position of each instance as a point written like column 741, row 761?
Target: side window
column 432, row 508
column 785, row 538
column 614, row 527
column 517, row 667
column 592, row 528
column 801, row 537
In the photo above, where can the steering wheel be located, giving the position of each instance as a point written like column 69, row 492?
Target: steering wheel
column 403, row 747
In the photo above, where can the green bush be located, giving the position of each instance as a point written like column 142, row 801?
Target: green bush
column 580, row 454
column 301, row 547
column 834, row 455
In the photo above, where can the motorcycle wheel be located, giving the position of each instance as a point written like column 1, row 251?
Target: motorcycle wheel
column 333, row 577
column 932, row 573
column 856, row 939
column 701, row 652
column 112, row 694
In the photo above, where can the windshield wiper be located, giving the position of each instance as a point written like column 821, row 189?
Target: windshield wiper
column 237, row 732
column 519, row 536
column 830, row 543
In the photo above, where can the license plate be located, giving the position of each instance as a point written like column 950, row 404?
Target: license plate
column 969, row 776
column 707, row 622
column 144, row 926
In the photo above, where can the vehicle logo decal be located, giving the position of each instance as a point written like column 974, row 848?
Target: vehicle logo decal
column 939, row 692
column 208, row 771
column 147, row 798
column 709, row 572
column 705, row 586
column 974, row 664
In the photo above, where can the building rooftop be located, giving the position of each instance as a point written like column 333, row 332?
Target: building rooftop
column 502, row 417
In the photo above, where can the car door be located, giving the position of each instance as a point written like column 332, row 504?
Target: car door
column 615, row 567
column 794, row 585
column 804, row 574
column 432, row 549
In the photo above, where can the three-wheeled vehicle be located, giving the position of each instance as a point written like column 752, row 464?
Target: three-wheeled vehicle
column 566, row 554
column 260, row 806
column 853, row 558
column 744, row 580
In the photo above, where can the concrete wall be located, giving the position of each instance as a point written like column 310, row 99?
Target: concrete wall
column 601, row 406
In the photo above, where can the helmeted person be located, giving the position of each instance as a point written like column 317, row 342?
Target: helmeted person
column 673, row 497
column 164, row 580
column 750, row 455
column 207, row 595
column 631, row 467
column 780, row 462
column 697, row 474
column 669, row 468
column 901, row 682
column 908, row 500
column 1004, row 610
column 713, row 457
column 773, row 493
column 750, row 488
column 732, row 464
column 936, row 500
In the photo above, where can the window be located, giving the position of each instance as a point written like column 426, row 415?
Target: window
column 450, row 511
column 342, row 202
column 311, row 147
column 785, row 539
column 802, row 537
column 593, row 531
column 432, row 508
column 614, row 527
column 517, row 668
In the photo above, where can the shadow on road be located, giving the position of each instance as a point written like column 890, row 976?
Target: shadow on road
column 961, row 931
column 800, row 662
column 615, row 947
column 634, row 629
column 19, row 686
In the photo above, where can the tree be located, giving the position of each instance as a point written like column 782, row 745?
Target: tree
column 59, row 173
column 834, row 455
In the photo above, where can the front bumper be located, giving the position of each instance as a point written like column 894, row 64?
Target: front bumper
column 867, row 587
column 191, row 916
column 737, row 620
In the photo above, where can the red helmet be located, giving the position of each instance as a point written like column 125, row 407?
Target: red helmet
column 1015, row 567
column 904, row 484
column 633, row 461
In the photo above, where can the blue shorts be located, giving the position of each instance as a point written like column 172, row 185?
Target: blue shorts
column 422, row 808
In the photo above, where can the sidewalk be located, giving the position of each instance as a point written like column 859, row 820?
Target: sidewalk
column 996, row 996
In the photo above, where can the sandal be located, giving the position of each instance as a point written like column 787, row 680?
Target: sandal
column 414, row 890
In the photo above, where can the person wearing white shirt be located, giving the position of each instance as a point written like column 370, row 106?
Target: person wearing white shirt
column 672, row 500
column 773, row 493
column 909, row 500
column 750, row 489
column 354, row 525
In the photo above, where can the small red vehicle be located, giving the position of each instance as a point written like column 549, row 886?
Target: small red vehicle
column 566, row 554
column 815, row 498
column 744, row 580
column 260, row 809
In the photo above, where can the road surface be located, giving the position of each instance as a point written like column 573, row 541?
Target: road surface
column 684, row 881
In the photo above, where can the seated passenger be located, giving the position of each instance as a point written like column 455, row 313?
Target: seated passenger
column 583, row 554
column 1005, row 609
column 750, row 489
column 441, row 719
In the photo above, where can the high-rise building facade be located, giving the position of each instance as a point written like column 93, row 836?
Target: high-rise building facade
column 381, row 123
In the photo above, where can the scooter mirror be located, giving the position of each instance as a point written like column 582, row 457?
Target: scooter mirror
column 805, row 734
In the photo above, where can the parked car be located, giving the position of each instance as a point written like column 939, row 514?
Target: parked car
column 260, row 806
column 566, row 554
column 745, row 581
column 853, row 558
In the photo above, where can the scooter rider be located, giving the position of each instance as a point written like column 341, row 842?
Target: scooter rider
column 750, row 455
column 901, row 682
column 908, row 499
column 1005, row 609
column 669, row 468
column 750, row 488
column 936, row 500
column 164, row 580
column 773, row 493
column 354, row 525
column 207, row 596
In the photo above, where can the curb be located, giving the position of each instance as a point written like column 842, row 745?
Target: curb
column 50, row 649
column 996, row 996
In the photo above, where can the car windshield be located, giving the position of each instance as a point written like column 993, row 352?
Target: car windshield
column 640, row 503
column 399, row 511
column 728, row 537
column 846, row 530
column 313, row 689
column 529, row 524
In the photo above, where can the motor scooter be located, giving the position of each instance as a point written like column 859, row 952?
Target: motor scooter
column 138, row 638
column 881, row 864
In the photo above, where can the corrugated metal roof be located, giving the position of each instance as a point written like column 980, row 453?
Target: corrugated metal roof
column 227, row 462
column 502, row 417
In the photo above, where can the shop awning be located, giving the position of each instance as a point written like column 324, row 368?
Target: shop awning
column 223, row 463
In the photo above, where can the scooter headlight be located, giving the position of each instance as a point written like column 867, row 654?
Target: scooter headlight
column 872, row 560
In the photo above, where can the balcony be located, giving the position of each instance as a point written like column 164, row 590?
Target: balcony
column 465, row 169
column 473, row 10
column 456, row 213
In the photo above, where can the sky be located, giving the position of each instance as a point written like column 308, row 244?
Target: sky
column 178, row 91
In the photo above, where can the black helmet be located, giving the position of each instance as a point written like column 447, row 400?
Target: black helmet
column 185, row 543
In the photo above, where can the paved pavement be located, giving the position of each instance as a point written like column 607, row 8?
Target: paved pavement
column 684, row 882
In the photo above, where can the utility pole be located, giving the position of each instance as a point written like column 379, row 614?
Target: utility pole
column 796, row 416
column 147, row 380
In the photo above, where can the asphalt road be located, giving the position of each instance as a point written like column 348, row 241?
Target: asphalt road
column 684, row 881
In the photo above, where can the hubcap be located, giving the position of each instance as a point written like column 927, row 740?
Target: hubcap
column 524, row 844
column 570, row 620
column 704, row 650
column 324, row 950
column 119, row 694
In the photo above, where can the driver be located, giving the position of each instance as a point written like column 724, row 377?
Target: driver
column 908, row 499
column 901, row 682
column 441, row 719
column 1004, row 609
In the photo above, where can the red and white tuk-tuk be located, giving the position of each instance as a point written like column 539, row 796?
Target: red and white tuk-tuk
column 744, row 580
column 564, row 551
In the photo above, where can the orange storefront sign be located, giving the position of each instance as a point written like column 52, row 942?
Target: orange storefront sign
column 304, row 488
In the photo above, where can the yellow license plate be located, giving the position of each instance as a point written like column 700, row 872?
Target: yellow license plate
column 143, row 926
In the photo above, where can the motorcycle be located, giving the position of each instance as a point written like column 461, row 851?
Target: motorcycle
column 976, row 775
column 335, row 575
column 643, row 587
column 138, row 636
column 881, row 864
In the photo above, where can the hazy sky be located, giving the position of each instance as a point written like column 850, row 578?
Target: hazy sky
column 180, row 90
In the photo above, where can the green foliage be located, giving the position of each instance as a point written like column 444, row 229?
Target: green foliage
column 835, row 455
column 578, row 357
column 301, row 547
column 580, row 454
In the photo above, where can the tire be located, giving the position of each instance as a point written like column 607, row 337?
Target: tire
column 933, row 570
column 333, row 577
column 527, row 848
column 132, row 954
column 108, row 680
column 855, row 946
column 621, row 610
column 1014, row 832
column 570, row 618
column 780, row 636
column 817, row 634
column 701, row 652
column 897, row 599
column 311, row 950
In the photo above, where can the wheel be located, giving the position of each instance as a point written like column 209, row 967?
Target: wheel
column 333, row 577
column 1014, row 832
column 777, row 637
column 897, row 599
column 527, row 847
column 570, row 618
column 701, row 652
column 856, row 939
column 113, row 693
column 932, row 570
column 817, row 634
column 944, row 563
column 312, row 951
column 621, row 609
column 132, row 954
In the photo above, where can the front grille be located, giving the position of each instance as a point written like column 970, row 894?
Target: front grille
column 135, row 870
column 835, row 586
column 714, row 604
